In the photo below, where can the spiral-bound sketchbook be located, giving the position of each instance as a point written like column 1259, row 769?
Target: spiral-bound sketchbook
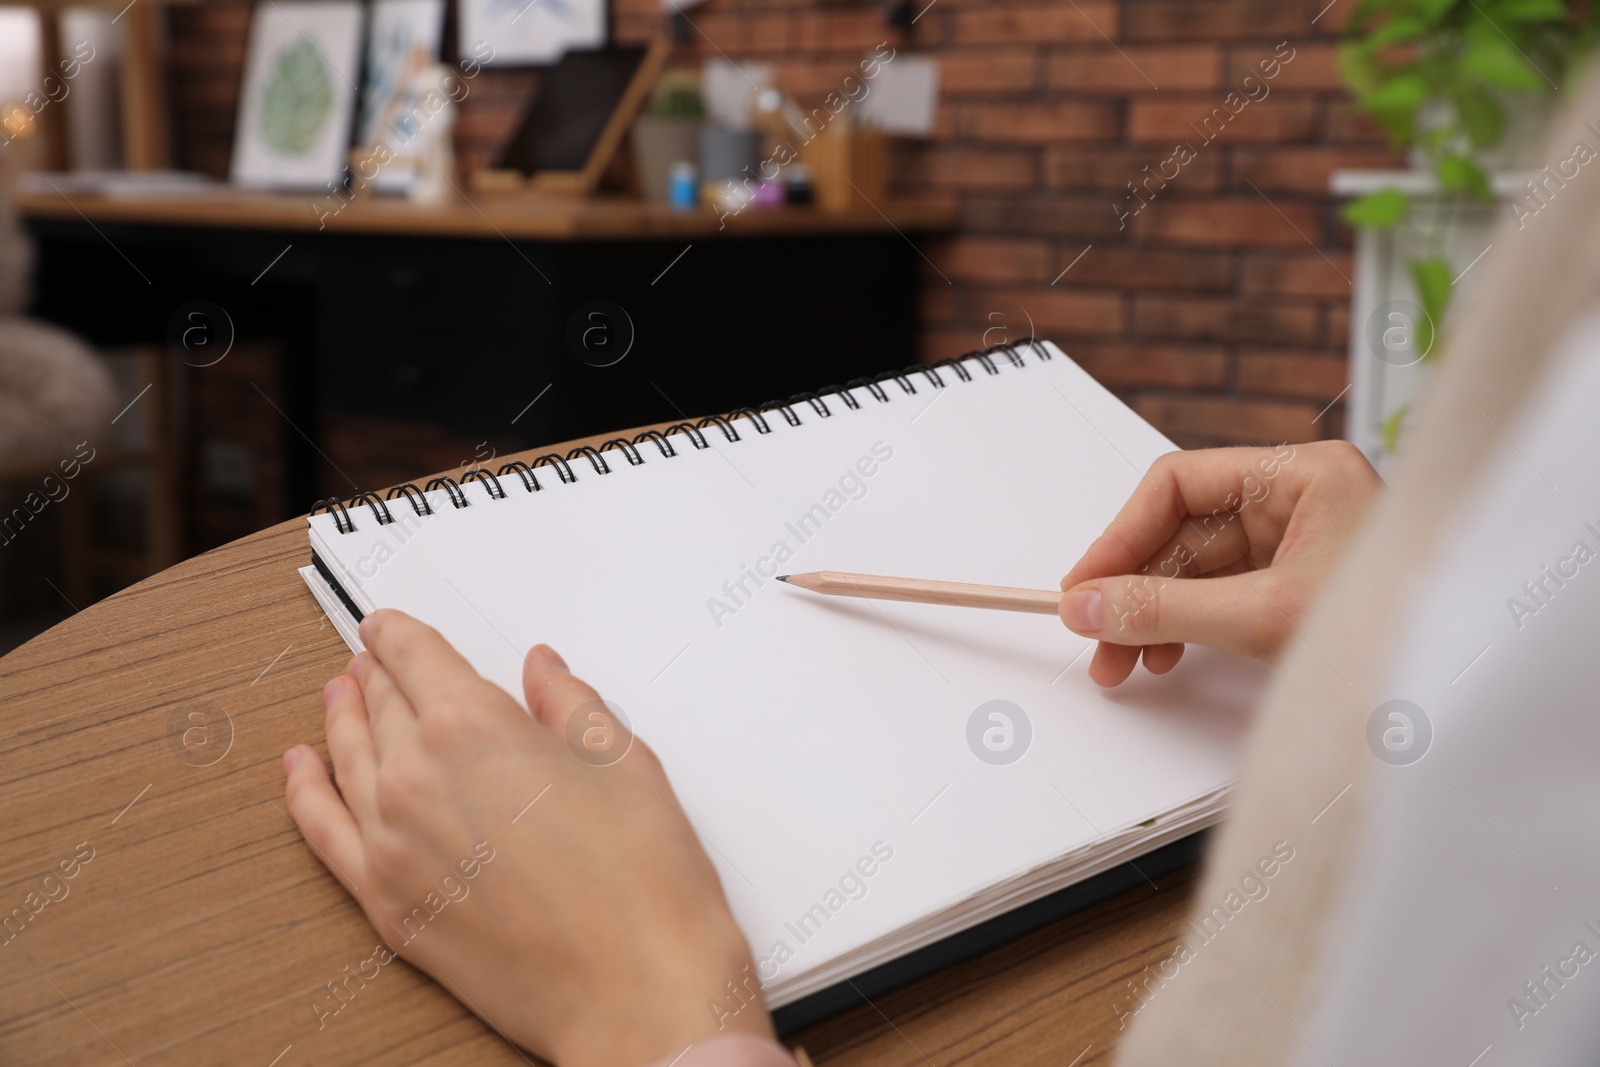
column 869, row 778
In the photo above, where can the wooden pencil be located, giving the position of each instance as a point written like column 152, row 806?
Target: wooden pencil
column 923, row 591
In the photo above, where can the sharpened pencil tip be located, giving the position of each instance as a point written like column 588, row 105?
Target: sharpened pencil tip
column 783, row 577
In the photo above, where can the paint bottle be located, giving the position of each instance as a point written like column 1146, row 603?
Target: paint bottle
column 683, row 186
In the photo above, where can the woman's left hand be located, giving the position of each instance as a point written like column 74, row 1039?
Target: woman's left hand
column 568, row 903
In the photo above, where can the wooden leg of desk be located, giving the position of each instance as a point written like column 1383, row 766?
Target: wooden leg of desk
column 53, row 132
column 144, row 99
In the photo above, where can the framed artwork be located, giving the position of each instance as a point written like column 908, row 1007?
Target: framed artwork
column 297, row 100
column 403, row 39
column 529, row 32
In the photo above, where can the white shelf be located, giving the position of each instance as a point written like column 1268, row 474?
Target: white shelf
column 1378, row 388
column 1417, row 182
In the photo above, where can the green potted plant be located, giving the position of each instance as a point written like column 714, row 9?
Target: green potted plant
column 668, row 132
column 1464, row 86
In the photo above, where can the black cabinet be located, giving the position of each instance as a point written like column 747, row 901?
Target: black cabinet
column 528, row 342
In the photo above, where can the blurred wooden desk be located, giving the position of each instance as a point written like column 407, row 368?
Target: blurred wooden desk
column 484, row 215
column 454, row 317
column 203, row 926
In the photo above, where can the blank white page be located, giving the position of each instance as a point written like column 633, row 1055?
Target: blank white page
column 800, row 730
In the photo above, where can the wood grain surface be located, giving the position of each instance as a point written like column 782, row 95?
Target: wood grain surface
column 203, row 928
column 516, row 217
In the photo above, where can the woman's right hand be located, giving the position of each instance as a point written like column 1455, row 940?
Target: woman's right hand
column 1225, row 547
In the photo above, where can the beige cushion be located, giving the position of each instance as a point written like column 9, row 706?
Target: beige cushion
column 54, row 392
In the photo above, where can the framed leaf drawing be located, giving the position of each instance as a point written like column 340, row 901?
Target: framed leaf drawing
column 403, row 39
column 297, row 100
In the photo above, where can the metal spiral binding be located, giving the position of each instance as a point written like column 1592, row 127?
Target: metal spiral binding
column 629, row 450
column 553, row 459
column 375, row 502
column 696, row 438
column 662, row 439
column 478, row 474
column 530, row 481
column 458, row 498
column 418, row 499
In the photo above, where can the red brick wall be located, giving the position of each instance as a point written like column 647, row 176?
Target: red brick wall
column 1219, row 311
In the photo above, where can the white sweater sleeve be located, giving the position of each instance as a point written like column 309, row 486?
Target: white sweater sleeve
column 1472, row 932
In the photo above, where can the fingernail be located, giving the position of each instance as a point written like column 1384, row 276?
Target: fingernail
column 354, row 668
column 290, row 758
column 330, row 692
column 547, row 658
column 366, row 627
column 1080, row 610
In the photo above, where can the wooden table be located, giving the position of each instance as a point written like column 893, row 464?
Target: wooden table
column 203, row 925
